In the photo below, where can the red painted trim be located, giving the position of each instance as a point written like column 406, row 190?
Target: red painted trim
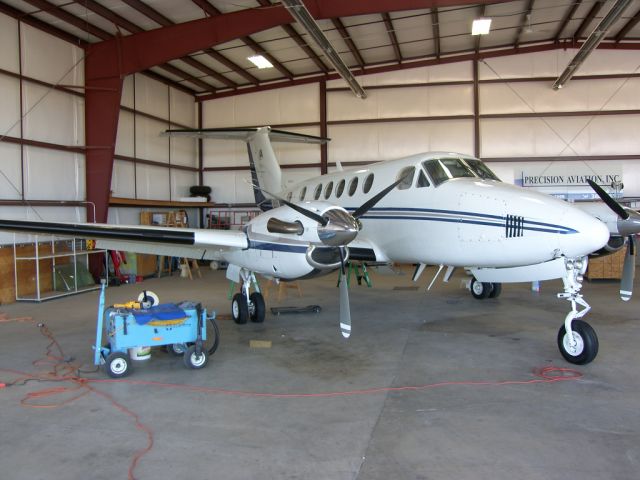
column 476, row 111
column 401, row 119
column 324, row 155
column 581, row 113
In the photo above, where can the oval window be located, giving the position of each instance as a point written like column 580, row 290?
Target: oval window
column 353, row 185
column 368, row 182
column 289, row 196
column 340, row 188
column 318, row 191
column 303, row 192
column 328, row 190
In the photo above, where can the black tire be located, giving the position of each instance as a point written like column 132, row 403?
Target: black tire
column 118, row 365
column 496, row 290
column 200, row 190
column 191, row 360
column 177, row 349
column 480, row 290
column 587, row 347
column 239, row 309
column 213, row 336
column 258, row 309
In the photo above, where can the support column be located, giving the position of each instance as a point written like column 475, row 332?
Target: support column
column 324, row 148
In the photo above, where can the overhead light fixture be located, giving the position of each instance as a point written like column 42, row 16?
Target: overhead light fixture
column 300, row 13
column 260, row 62
column 481, row 26
column 592, row 42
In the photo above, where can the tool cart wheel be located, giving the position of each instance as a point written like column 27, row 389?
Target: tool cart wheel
column 118, row 364
column 192, row 360
column 176, row 349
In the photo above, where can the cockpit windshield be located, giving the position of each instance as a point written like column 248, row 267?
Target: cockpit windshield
column 442, row 169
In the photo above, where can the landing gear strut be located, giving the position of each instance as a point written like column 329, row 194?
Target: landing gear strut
column 577, row 341
column 246, row 305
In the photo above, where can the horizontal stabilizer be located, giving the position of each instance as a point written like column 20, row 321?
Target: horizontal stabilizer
column 244, row 134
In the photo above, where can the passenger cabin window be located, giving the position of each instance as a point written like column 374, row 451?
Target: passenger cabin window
column 422, row 180
column 442, row 169
column 340, row 188
column 318, row 191
column 303, row 193
column 353, row 185
column 406, row 174
column 289, row 195
column 328, row 190
column 368, row 182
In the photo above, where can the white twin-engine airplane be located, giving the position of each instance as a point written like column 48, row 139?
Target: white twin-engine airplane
column 432, row 208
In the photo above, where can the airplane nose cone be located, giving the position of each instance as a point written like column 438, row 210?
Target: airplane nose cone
column 590, row 234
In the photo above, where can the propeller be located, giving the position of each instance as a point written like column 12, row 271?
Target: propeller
column 628, row 224
column 345, row 309
column 338, row 229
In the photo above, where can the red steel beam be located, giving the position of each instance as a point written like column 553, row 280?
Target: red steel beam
column 435, row 21
column 588, row 19
column 388, row 23
column 628, row 26
column 526, row 15
column 347, row 39
column 566, row 19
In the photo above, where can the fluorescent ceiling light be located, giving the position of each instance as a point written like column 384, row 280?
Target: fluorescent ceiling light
column 481, row 26
column 260, row 62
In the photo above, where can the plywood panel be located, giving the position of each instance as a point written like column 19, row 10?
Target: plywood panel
column 26, row 272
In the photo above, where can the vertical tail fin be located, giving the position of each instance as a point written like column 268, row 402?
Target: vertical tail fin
column 265, row 170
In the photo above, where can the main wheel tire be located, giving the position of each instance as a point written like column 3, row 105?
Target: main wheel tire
column 586, row 347
column 239, row 309
column 192, row 360
column 118, row 364
column 496, row 290
column 480, row 290
column 258, row 308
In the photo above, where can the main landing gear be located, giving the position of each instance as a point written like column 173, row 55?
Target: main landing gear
column 245, row 305
column 577, row 341
column 482, row 290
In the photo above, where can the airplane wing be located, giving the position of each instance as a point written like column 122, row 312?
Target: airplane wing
column 175, row 242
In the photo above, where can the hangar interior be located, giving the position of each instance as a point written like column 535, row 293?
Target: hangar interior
column 411, row 394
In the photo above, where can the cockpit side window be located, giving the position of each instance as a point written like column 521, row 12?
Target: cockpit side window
column 435, row 171
column 422, row 180
column 406, row 174
column 480, row 169
column 456, row 168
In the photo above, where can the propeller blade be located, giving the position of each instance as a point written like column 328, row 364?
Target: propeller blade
column 303, row 211
column 369, row 204
column 606, row 198
column 345, row 311
column 628, row 270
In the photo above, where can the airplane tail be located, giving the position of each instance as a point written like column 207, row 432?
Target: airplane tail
column 265, row 169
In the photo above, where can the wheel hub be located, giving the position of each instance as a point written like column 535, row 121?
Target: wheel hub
column 574, row 347
column 118, row 366
column 478, row 288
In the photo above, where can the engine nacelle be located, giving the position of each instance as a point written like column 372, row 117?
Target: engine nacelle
column 614, row 244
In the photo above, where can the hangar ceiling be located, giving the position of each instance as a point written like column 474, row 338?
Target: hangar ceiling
column 391, row 36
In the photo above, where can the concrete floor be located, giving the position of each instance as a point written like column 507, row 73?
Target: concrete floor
column 589, row 428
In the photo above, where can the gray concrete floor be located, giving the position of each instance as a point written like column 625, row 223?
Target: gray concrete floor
column 589, row 428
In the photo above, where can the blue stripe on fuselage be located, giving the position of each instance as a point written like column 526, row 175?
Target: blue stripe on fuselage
column 481, row 219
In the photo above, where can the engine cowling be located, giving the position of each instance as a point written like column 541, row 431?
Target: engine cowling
column 614, row 244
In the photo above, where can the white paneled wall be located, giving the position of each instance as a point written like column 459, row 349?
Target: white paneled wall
column 53, row 120
column 49, row 116
column 396, row 118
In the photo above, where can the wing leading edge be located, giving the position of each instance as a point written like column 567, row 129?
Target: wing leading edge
column 184, row 242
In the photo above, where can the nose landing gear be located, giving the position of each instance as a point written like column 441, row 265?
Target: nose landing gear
column 577, row 340
column 246, row 306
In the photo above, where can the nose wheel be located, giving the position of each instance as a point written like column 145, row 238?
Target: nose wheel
column 577, row 340
column 248, row 306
